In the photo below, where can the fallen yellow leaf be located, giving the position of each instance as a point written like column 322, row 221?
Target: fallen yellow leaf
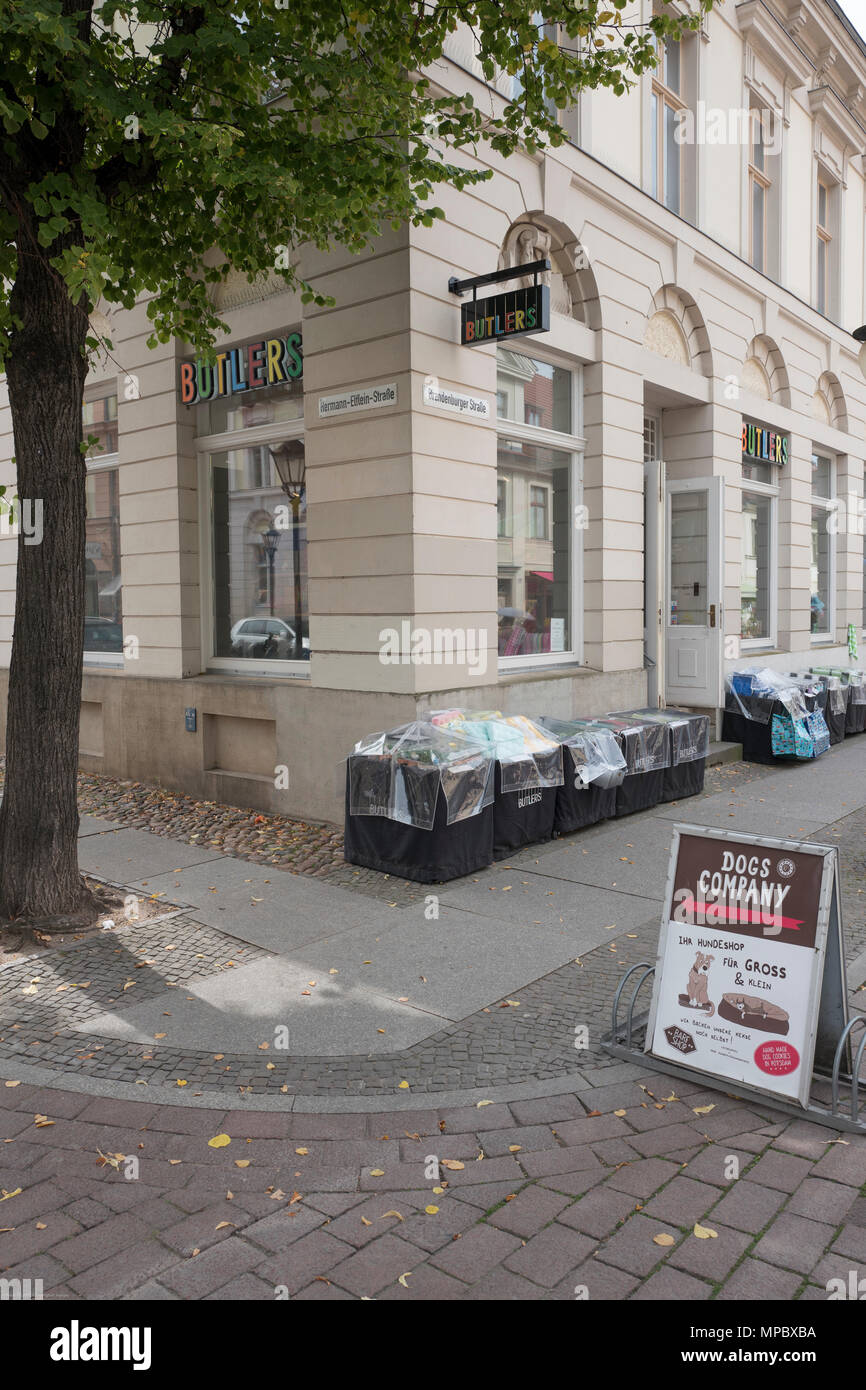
column 219, row 1141
column 431, row 1211
column 663, row 1239
column 242, row 1163
column 704, row 1232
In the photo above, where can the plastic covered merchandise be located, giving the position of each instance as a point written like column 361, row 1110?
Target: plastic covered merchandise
column 753, row 692
column 645, row 744
column 528, row 757
column 596, row 759
column 690, row 732
column 399, row 774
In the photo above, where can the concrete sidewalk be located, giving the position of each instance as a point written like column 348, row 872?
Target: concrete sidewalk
column 348, row 974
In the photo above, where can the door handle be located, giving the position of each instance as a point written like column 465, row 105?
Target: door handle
column 712, row 615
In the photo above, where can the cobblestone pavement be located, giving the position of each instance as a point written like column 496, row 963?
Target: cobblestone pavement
column 629, row 1190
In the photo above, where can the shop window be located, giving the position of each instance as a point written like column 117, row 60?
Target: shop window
column 537, row 556
column 758, row 552
column 822, row 547
column 755, row 613
column 103, row 615
column 259, row 537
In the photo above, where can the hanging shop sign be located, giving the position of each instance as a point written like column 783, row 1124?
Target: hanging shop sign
column 507, row 314
column 360, row 398
column 264, row 362
column 511, row 314
column 749, row 982
column 766, row 445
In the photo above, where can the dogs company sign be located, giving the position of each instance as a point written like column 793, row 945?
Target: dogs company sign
column 741, row 963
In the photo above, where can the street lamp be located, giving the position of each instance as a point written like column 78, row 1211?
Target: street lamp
column 290, row 462
column 270, row 540
column 860, row 335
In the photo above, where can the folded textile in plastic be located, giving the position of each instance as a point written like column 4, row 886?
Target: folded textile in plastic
column 595, row 754
column 528, row 757
column 689, row 732
column 399, row 774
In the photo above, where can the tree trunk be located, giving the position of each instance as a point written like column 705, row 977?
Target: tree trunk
column 46, row 368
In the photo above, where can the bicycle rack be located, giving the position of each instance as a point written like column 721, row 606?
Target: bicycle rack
column 620, row 1042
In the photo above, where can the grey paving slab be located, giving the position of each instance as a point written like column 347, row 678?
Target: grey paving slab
column 530, row 896
column 630, row 859
column 125, row 855
column 240, row 1010
column 92, row 825
column 725, row 811
column 468, row 960
column 288, row 910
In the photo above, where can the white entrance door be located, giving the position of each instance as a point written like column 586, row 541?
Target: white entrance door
column 693, row 608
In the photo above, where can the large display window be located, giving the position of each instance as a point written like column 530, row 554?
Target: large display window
column 539, row 457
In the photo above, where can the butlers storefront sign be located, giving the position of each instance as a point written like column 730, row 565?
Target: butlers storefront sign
column 764, row 445
column 264, row 362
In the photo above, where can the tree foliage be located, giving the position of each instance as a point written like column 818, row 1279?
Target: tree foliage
column 136, row 136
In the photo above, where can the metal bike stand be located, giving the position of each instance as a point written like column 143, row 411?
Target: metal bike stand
column 626, row 1040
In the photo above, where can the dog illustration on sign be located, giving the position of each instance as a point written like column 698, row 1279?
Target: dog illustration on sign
column 698, row 997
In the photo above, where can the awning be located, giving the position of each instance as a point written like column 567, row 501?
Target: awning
column 543, row 574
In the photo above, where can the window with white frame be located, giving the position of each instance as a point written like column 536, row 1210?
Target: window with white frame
column 103, row 612
column 823, row 557
column 539, row 458
column 760, row 186
column 667, row 101
column 826, row 249
column 758, row 597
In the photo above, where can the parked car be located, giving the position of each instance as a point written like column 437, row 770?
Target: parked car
column 102, row 635
column 266, row 637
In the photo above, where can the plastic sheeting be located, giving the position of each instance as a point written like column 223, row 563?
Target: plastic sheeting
column 645, row 746
column 753, row 692
column 689, row 733
column 528, row 757
column 399, row 774
column 595, row 754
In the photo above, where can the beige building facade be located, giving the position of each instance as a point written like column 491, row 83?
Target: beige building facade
column 352, row 519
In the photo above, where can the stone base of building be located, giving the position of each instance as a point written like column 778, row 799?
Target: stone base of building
column 278, row 746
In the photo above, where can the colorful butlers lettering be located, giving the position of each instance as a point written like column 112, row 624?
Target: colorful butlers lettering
column 267, row 362
column 506, row 315
column 764, row 444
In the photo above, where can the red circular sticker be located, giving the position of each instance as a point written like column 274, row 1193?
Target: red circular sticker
column 777, row 1058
